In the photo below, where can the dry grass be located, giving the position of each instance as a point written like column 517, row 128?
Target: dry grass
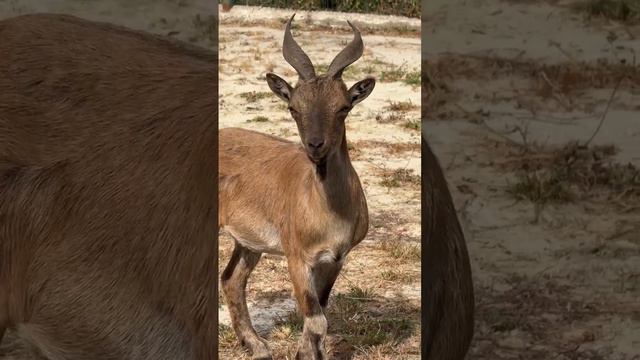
column 258, row 119
column 563, row 83
column 399, row 177
column 620, row 10
column 384, row 72
column 412, row 124
column 394, row 29
column 413, row 78
column 409, row 8
column 391, row 118
column 400, row 118
column 400, row 249
column 206, row 28
column 391, row 148
column 401, row 106
column 397, row 276
column 400, row 73
column 254, row 96
column 436, row 95
column 540, row 188
column 573, row 171
column 540, row 310
column 565, row 77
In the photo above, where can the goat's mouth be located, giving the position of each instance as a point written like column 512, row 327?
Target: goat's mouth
column 317, row 155
column 318, row 159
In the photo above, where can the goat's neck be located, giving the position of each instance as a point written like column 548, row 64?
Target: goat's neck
column 339, row 181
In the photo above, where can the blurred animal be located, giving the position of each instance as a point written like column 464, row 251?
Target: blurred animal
column 448, row 299
column 108, row 194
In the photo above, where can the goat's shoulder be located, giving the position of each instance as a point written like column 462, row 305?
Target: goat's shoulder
column 254, row 166
column 251, row 152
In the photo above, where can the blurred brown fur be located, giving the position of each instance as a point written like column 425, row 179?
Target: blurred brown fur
column 108, row 192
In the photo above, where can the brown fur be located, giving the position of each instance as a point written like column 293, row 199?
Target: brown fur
column 108, row 203
column 448, row 302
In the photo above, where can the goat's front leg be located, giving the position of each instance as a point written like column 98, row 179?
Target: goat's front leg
column 311, row 346
column 324, row 277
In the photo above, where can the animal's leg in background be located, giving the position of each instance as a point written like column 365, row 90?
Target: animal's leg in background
column 234, row 281
column 311, row 345
column 324, row 276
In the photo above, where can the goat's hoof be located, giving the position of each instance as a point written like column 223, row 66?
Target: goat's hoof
column 258, row 348
column 317, row 354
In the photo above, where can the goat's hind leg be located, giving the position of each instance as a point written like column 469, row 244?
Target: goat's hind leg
column 234, row 281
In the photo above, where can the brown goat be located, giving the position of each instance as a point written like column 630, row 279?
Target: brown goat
column 448, row 302
column 303, row 202
column 108, row 193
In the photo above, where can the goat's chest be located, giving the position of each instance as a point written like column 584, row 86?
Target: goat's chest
column 326, row 242
column 259, row 235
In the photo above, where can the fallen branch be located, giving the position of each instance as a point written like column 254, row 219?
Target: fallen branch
column 606, row 110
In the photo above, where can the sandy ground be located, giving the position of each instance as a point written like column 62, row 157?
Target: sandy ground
column 515, row 81
column 376, row 299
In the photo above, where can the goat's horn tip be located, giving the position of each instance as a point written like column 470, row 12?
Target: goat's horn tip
column 290, row 20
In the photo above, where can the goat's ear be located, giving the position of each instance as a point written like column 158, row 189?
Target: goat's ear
column 360, row 90
column 279, row 86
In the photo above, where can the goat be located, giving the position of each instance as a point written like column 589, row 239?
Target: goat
column 448, row 302
column 304, row 202
column 108, row 191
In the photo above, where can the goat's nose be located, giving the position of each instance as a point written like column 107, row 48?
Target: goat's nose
column 315, row 144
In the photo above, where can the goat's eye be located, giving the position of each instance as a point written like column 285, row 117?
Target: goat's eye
column 344, row 110
column 292, row 111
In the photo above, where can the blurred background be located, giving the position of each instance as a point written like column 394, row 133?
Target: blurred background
column 533, row 108
column 408, row 8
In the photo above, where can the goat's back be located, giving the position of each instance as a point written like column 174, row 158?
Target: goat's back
column 108, row 142
column 448, row 306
